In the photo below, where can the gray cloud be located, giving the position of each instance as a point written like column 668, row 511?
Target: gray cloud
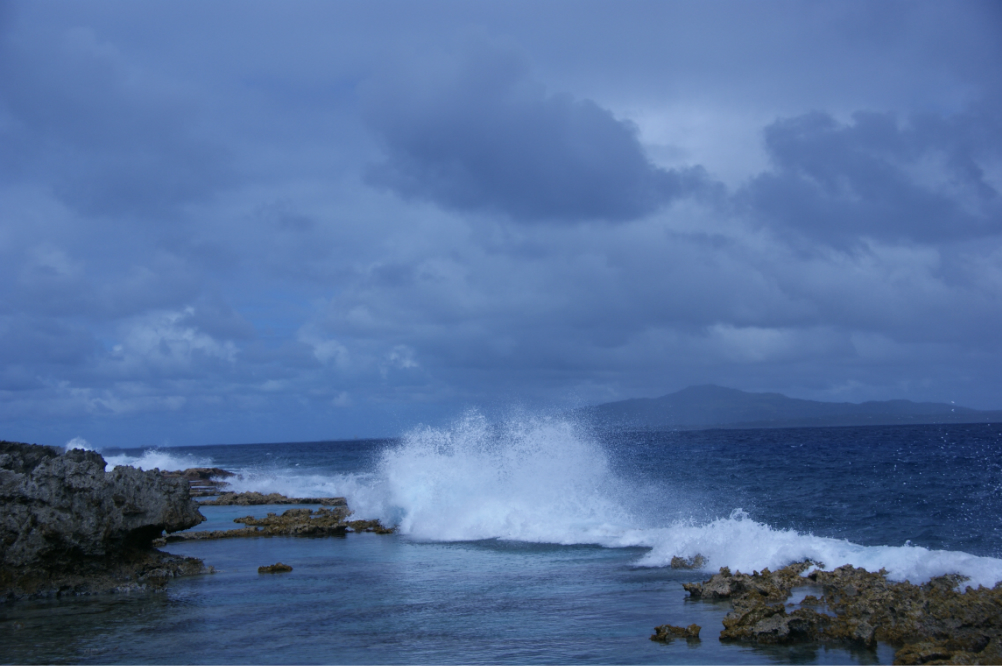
column 107, row 136
column 877, row 177
column 399, row 240
column 483, row 135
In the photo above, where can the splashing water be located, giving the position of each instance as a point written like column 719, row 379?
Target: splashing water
column 157, row 459
column 79, row 443
column 527, row 480
column 544, row 480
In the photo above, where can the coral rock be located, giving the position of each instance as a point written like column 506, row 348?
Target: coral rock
column 278, row 567
column 325, row 521
column 694, row 562
column 667, row 632
column 930, row 623
column 70, row 527
column 253, row 498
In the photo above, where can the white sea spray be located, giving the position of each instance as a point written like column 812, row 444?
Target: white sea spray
column 545, row 480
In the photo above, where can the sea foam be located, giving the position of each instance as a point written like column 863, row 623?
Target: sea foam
column 545, row 480
column 157, row 459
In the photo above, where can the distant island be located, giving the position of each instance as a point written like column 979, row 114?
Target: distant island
column 709, row 406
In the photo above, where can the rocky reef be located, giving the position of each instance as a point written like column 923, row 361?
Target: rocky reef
column 202, row 481
column 325, row 521
column 278, row 567
column 71, row 527
column 668, row 632
column 933, row 623
column 253, row 498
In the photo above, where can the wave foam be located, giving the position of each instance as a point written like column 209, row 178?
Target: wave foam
column 79, row 443
column 534, row 480
column 745, row 545
column 541, row 480
column 157, row 459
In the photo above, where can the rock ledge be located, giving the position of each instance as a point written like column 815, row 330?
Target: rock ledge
column 69, row 527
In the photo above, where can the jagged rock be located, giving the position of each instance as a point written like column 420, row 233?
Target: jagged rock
column 667, row 632
column 202, row 481
column 694, row 562
column 253, row 498
column 70, row 527
column 370, row 526
column 765, row 585
column 771, row 623
column 931, row 623
column 903, row 613
column 278, row 567
column 204, row 473
column 325, row 521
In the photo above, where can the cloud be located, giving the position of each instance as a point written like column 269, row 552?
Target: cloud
column 281, row 223
column 923, row 180
column 481, row 134
column 107, row 137
column 168, row 342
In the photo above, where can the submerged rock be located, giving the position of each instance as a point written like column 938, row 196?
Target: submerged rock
column 70, row 527
column 667, row 632
column 278, row 567
column 253, row 498
column 930, row 623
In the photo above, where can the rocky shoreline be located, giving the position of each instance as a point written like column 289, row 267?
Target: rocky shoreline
column 933, row 623
column 69, row 527
column 291, row 523
column 253, row 498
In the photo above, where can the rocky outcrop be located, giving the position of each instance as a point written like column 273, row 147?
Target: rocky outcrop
column 695, row 562
column 70, row 527
column 370, row 526
column 253, row 498
column 930, row 623
column 202, row 481
column 278, row 567
column 666, row 633
column 325, row 521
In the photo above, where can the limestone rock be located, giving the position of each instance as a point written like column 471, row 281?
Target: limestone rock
column 202, row 481
column 325, row 521
column 694, row 562
column 69, row 526
column 370, row 526
column 667, row 632
column 278, row 567
column 931, row 623
column 253, row 498
column 764, row 585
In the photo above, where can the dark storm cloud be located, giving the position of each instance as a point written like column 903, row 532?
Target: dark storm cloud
column 279, row 222
column 109, row 138
column 879, row 177
column 484, row 135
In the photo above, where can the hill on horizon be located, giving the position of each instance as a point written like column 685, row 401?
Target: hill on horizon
column 710, row 406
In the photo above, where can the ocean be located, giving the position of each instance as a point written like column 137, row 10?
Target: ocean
column 539, row 540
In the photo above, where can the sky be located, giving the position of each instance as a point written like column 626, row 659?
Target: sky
column 237, row 222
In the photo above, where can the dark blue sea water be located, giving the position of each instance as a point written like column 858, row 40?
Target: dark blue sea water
column 536, row 541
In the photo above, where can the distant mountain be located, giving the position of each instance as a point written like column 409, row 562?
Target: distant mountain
column 699, row 407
